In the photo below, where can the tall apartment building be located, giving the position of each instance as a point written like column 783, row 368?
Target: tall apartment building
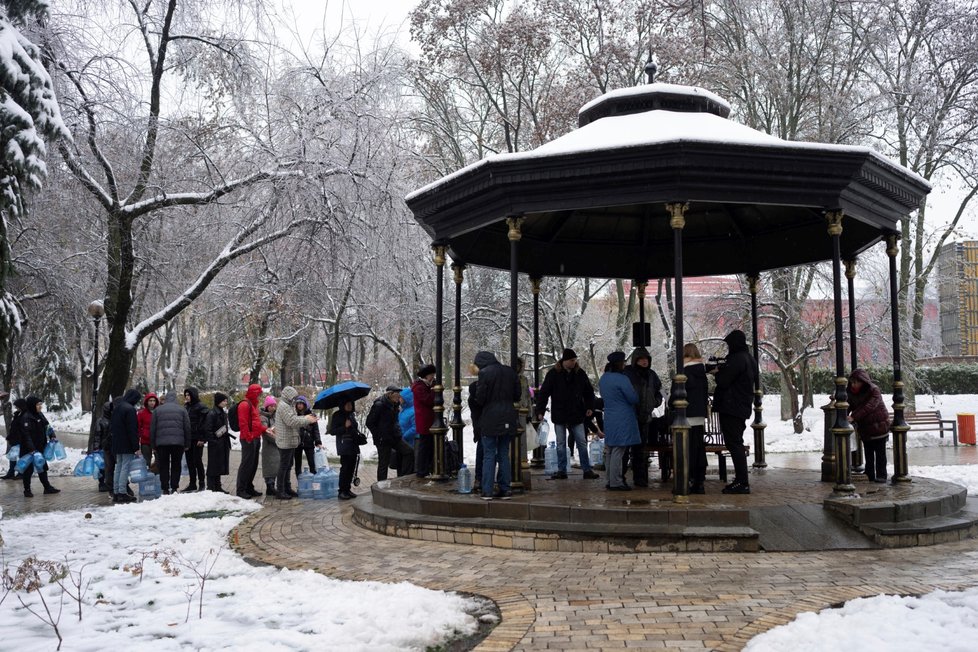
column 957, row 269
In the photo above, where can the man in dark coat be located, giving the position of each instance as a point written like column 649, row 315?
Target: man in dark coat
column 170, row 437
column 424, row 418
column 33, row 438
column 14, row 435
column 649, row 389
column 572, row 401
column 218, row 443
column 497, row 392
column 125, row 443
column 733, row 401
column 868, row 412
column 382, row 422
column 197, row 412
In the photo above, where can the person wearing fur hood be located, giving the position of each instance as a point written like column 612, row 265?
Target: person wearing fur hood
column 287, row 426
column 868, row 413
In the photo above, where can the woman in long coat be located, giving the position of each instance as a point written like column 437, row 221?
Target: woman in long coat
column 218, row 437
column 620, row 423
column 343, row 426
column 868, row 412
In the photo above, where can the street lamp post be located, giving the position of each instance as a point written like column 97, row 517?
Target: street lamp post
column 96, row 310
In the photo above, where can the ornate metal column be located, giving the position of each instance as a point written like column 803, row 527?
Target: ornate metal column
column 841, row 428
column 438, row 428
column 901, row 472
column 680, row 425
column 641, row 287
column 758, row 426
column 537, row 462
column 457, row 424
column 857, row 454
column 516, row 455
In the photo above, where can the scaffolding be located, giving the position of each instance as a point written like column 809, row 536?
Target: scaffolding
column 958, row 293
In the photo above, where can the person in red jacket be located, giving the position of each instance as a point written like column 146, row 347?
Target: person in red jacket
column 867, row 411
column 424, row 417
column 143, row 418
column 251, row 427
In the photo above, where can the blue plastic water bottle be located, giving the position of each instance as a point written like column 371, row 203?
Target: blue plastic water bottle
column 59, row 451
column 88, row 465
column 24, row 462
column 464, row 480
column 320, row 458
column 138, row 471
column 595, row 451
column 305, row 483
column 14, row 453
column 39, row 461
column 550, row 459
column 98, row 462
column 332, row 486
column 150, row 488
column 49, row 451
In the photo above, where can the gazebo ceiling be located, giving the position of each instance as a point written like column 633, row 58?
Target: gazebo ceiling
column 593, row 201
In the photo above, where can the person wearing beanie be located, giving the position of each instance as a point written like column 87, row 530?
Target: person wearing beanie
column 424, row 418
column 14, row 435
column 33, row 438
column 218, row 437
column 649, row 389
column 125, row 444
column 289, row 423
column 621, row 430
column 382, row 422
column 197, row 412
column 309, row 438
column 271, row 457
column 733, row 402
column 572, row 397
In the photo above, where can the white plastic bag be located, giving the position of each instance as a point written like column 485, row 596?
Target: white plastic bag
column 543, row 433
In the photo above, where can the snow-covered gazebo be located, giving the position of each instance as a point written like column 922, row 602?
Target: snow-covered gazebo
column 657, row 182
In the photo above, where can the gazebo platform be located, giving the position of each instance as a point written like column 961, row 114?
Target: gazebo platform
column 790, row 510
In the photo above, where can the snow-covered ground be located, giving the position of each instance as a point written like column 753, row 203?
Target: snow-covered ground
column 244, row 607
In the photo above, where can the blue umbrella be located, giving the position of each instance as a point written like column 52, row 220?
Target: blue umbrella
column 337, row 395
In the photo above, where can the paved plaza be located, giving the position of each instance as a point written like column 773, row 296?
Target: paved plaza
column 588, row 601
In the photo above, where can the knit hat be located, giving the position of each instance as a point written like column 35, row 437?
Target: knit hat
column 617, row 356
column 426, row 370
column 270, row 401
column 301, row 399
column 219, row 398
column 568, row 354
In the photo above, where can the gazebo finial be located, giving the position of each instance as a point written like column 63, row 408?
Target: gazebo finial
column 651, row 67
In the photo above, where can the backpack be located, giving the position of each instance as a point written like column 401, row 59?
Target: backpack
column 453, row 461
column 233, row 417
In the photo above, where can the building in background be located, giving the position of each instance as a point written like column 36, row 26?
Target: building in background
column 957, row 269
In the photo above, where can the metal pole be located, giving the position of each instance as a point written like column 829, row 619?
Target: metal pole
column 516, row 456
column 641, row 286
column 680, row 424
column 438, row 428
column 901, row 469
column 841, row 428
column 537, row 462
column 758, row 426
column 857, row 454
column 457, row 424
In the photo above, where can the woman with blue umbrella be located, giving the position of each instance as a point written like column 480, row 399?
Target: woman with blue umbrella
column 343, row 426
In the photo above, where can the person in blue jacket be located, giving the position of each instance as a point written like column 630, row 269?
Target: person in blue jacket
column 406, row 418
column 620, row 423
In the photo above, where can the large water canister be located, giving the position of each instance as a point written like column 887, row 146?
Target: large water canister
column 137, row 469
column 149, row 487
column 595, row 451
column 550, row 459
column 329, row 484
column 305, row 483
column 464, row 480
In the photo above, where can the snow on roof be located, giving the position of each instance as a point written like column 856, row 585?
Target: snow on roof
column 646, row 89
column 657, row 127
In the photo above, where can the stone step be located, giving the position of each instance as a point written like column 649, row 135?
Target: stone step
column 925, row 531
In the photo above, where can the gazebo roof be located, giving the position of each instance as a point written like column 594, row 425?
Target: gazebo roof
column 593, row 200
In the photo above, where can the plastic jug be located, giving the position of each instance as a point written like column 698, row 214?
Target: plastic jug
column 595, row 451
column 305, row 483
column 39, row 461
column 329, row 484
column 14, row 453
column 550, row 459
column 98, row 461
column 464, row 480
column 149, row 487
column 79, row 471
column 25, row 462
column 319, row 457
column 138, row 471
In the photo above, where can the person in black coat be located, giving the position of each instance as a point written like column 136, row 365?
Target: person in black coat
column 697, row 395
column 103, row 438
column 733, row 401
column 197, row 412
column 218, row 437
column 309, row 438
column 382, row 422
column 125, row 443
column 572, row 401
column 14, row 435
column 649, row 389
column 497, row 392
column 33, row 438
column 343, row 426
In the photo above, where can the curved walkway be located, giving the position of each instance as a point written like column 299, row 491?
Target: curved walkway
column 594, row 601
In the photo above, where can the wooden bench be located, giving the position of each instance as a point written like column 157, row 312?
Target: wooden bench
column 712, row 440
column 931, row 420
